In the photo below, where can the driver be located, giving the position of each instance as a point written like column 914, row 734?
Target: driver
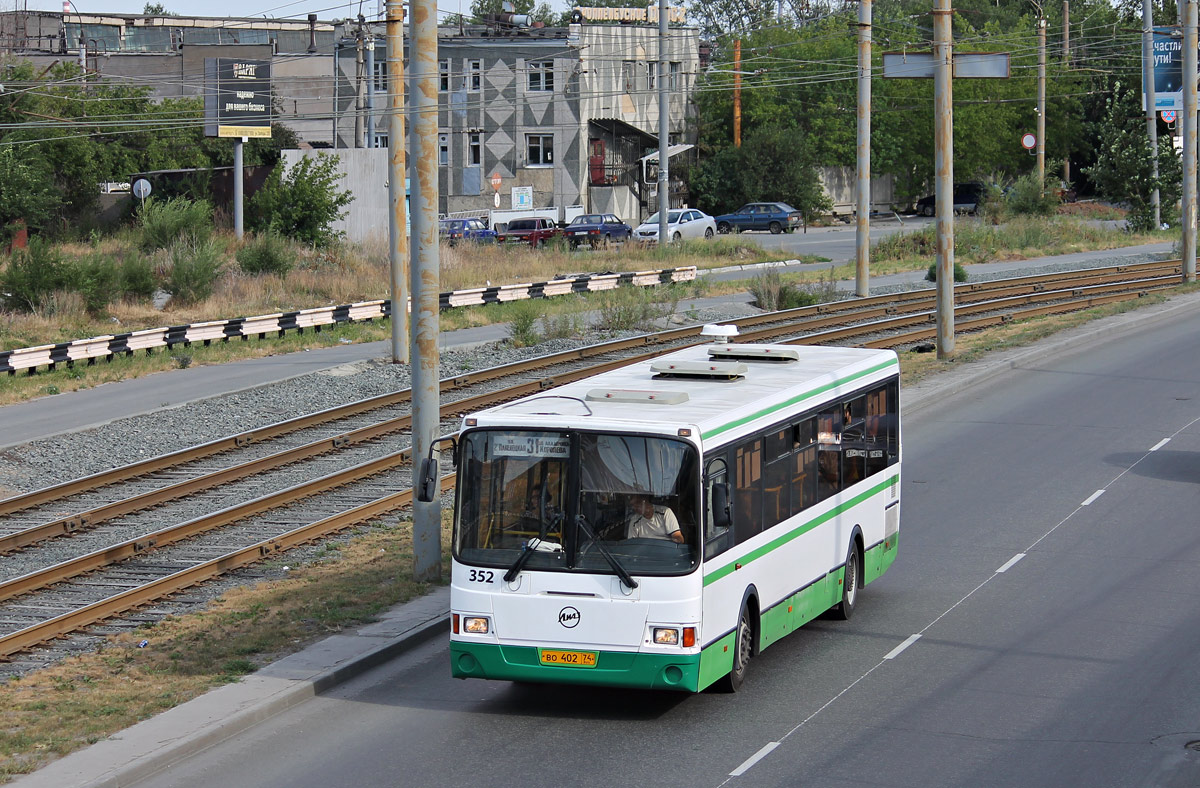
column 651, row 522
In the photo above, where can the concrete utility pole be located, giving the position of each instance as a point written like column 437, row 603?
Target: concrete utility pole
column 423, row 93
column 1189, row 141
column 943, row 161
column 398, row 224
column 1148, row 91
column 371, row 90
column 862, row 239
column 1041, row 102
column 239, row 176
column 1066, row 61
column 664, row 129
column 360, row 89
column 737, row 93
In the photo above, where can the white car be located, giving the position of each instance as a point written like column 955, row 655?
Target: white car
column 682, row 223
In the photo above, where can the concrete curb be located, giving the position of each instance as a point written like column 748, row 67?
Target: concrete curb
column 155, row 744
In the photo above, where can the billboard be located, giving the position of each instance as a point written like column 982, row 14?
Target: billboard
column 1167, row 49
column 237, row 97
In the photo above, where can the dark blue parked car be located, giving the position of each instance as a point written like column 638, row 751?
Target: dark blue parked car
column 455, row 230
column 777, row 217
column 596, row 229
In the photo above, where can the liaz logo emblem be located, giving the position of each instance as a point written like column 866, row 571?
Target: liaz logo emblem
column 568, row 617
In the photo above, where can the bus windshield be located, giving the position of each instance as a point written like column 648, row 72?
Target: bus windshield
column 562, row 497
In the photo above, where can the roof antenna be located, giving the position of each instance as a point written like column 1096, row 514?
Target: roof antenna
column 720, row 334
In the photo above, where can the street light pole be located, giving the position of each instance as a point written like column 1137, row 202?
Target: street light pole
column 862, row 239
column 943, row 159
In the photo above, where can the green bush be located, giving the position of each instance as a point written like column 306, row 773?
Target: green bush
column 634, row 308
column 267, row 254
column 960, row 273
column 165, row 222
column 301, row 204
column 135, row 277
column 95, row 278
column 194, row 269
column 522, row 327
column 32, row 275
column 1028, row 197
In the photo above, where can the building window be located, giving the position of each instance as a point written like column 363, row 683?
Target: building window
column 652, row 75
column 475, row 75
column 627, row 72
column 381, row 140
column 474, row 148
column 541, row 75
column 540, row 149
column 444, row 75
column 381, row 77
column 673, row 83
column 443, row 149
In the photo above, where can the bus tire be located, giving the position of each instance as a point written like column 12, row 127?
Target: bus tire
column 851, row 580
column 743, row 650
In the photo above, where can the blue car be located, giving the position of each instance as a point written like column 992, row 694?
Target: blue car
column 455, row 230
column 778, row 217
column 596, row 230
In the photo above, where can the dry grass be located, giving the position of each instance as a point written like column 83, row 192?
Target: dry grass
column 55, row 711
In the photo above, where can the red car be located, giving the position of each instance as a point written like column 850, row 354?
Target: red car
column 534, row 232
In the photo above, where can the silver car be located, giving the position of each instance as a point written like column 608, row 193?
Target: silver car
column 682, row 223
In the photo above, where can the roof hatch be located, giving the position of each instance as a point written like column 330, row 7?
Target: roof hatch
column 773, row 353
column 712, row 370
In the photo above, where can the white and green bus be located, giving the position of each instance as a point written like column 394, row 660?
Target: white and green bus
column 658, row 525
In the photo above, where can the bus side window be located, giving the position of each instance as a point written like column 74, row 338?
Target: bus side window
column 829, row 453
column 804, row 466
column 777, row 487
column 716, row 537
column 747, row 494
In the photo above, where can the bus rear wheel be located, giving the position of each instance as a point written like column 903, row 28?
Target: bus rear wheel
column 743, row 650
column 850, row 582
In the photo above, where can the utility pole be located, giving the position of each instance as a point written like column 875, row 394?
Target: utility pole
column 360, row 89
column 664, row 129
column 737, row 93
column 1066, row 61
column 1148, row 92
column 238, row 186
column 862, row 239
column 1041, row 102
column 398, row 224
column 943, row 160
column 371, row 90
column 1189, row 141
column 423, row 93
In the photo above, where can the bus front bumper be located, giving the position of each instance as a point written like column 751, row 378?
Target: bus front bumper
column 612, row 669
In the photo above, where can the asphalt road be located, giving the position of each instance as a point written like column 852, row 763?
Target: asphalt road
column 835, row 243
column 1048, row 563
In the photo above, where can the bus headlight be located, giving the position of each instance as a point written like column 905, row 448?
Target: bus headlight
column 475, row 625
column 666, row 636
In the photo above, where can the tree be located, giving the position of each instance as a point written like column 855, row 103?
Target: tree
column 156, row 9
column 774, row 163
column 302, row 203
column 1123, row 171
column 26, row 190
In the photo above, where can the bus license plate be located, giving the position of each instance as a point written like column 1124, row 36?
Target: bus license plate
column 573, row 659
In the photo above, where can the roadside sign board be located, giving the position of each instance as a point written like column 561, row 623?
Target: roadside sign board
column 237, row 97
column 967, row 65
column 1167, row 50
column 522, row 198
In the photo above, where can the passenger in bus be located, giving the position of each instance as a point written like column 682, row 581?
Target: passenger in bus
column 651, row 522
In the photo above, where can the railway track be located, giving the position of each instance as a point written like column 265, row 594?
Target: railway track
column 141, row 532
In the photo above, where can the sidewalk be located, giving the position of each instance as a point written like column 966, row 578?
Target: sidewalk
column 186, row 730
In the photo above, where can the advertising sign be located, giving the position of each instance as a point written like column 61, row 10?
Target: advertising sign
column 522, row 198
column 1168, row 69
column 237, row 97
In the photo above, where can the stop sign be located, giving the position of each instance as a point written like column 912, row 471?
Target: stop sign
column 496, row 181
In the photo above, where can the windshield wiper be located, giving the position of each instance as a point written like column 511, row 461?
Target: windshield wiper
column 622, row 573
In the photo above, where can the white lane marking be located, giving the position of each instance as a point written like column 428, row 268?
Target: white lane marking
column 1092, row 498
column 1009, row 564
column 900, row 648
column 1160, row 444
column 753, row 759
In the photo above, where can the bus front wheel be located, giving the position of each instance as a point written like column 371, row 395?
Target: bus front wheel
column 742, row 651
column 850, row 582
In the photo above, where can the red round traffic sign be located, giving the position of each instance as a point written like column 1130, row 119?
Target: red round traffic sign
column 1028, row 141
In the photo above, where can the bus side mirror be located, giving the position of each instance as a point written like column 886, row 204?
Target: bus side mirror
column 720, row 505
column 427, row 481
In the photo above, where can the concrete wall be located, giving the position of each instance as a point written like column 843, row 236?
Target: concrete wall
column 620, row 200
column 840, row 183
column 366, row 176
